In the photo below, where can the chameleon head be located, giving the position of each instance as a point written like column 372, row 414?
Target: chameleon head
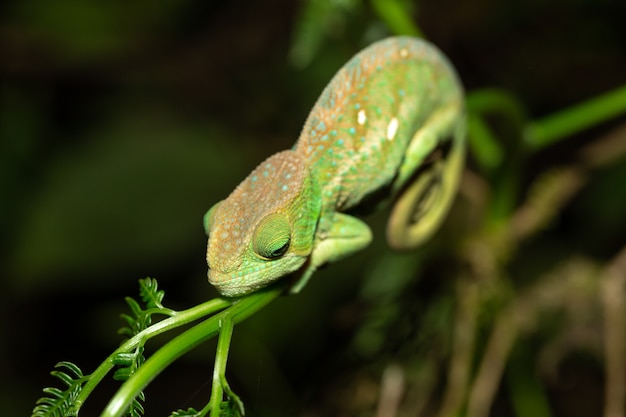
column 265, row 229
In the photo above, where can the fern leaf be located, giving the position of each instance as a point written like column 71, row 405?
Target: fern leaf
column 134, row 306
column 74, row 369
column 130, row 362
column 125, row 359
column 141, row 318
column 228, row 410
column 131, row 329
column 150, row 294
column 136, row 408
column 58, row 402
column 190, row 412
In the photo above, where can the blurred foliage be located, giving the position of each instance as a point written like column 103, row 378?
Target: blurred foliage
column 121, row 123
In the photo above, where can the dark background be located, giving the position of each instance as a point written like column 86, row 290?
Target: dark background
column 123, row 122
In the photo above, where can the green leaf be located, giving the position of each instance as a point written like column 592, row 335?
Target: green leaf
column 151, row 296
column 60, row 403
column 190, row 412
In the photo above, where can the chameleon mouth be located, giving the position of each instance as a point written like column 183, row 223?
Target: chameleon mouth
column 235, row 284
column 245, row 281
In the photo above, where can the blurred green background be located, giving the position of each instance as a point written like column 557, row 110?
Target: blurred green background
column 122, row 122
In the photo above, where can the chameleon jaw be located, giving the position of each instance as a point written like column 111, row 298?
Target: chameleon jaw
column 241, row 282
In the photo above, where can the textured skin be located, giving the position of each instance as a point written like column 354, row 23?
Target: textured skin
column 390, row 124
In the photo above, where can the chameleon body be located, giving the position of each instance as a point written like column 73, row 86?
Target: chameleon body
column 390, row 126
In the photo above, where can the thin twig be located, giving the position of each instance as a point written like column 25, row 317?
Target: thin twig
column 614, row 337
column 463, row 349
column 391, row 391
column 605, row 150
column 490, row 372
column 547, row 197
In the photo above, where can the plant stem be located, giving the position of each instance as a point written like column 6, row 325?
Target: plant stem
column 238, row 311
column 220, row 385
column 550, row 129
column 178, row 319
column 396, row 17
column 484, row 144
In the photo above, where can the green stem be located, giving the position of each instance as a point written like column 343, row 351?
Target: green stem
column 396, row 17
column 238, row 311
column 496, row 101
column 527, row 396
column 178, row 319
column 550, row 129
column 485, row 146
column 503, row 165
column 220, row 385
column 217, row 391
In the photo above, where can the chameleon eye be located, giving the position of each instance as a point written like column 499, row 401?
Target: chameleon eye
column 209, row 217
column 272, row 236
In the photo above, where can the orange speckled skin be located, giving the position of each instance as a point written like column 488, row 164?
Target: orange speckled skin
column 281, row 183
column 397, row 77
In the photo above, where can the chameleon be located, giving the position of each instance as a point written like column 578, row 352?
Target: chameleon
column 389, row 129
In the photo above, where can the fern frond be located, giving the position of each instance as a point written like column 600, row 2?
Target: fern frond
column 61, row 403
column 231, row 408
column 136, row 407
column 136, row 322
column 190, row 412
column 129, row 363
column 150, row 294
column 141, row 318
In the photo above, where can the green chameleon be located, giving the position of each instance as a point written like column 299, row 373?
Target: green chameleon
column 390, row 126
